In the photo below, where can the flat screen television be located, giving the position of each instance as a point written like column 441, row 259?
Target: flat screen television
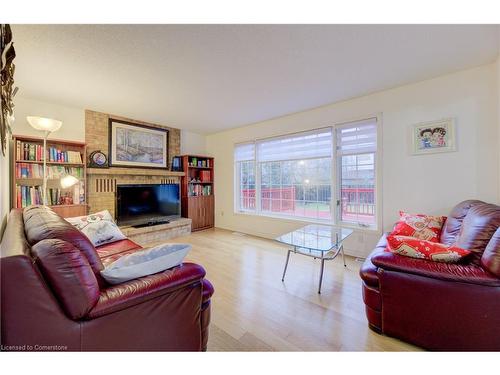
column 147, row 204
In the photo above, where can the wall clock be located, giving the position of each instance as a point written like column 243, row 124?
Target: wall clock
column 97, row 159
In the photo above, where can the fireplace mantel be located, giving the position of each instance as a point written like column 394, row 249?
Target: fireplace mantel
column 113, row 171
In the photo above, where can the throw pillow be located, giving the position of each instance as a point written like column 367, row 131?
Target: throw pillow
column 423, row 227
column 99, row 227
column 145, row 262
column 422, row 249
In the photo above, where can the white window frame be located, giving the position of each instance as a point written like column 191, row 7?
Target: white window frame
column 378, row 175
column 335, row 179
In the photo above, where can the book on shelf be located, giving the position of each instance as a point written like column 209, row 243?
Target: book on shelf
column 59, row 156
column 31, row 195
column 199, row 190
column 27, row 170
column 31, row 151
column 205, row 176
column 28, row 195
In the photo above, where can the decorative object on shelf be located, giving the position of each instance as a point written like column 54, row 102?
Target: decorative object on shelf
column 176, row 164
column 48, row 126
column 7, row 89
column 434, row 136
column 134, row 145
column 97, row 159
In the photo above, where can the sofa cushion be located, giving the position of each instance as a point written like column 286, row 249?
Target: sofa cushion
column 69, row 275
column 421, row 249
column 424, row 227
column 453, row 222
column 478, row 227
column 491, row 256
column 145, row 262
column 41, row 223
column 99, row 227
column 466, row 273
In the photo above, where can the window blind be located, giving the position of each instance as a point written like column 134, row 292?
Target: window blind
column 244, row 151
column 357, row 137
column 306, row 145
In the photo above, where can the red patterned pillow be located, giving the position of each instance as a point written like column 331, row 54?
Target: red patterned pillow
column 416, row 248
column 423, row 227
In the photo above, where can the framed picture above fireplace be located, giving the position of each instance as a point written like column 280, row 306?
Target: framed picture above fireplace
column 140, row 146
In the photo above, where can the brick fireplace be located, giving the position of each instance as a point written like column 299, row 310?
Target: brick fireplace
column 102, row 182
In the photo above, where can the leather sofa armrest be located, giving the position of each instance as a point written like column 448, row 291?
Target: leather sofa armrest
column 208, row 290
column 457, row 272
column 133, row 292
column 368, row 271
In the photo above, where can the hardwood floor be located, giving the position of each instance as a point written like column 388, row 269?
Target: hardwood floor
column 252, row 310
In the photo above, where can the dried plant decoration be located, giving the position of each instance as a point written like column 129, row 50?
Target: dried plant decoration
column 7, row 92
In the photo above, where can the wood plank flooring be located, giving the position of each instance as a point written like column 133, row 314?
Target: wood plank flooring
column 252, row 310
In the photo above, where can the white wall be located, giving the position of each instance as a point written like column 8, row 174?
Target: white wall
column 430, row 184
column 74, row 124
column 73, row 119
column 193, row 143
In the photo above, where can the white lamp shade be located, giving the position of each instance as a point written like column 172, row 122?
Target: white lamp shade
column 43, row 123
column 68, row 181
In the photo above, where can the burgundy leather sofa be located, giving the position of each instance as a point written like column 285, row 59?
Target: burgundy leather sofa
column 441, row 306
column 54, row 298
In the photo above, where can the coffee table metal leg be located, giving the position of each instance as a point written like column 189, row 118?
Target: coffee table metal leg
column 321, row 275
column 343, row 255
column 286, row 265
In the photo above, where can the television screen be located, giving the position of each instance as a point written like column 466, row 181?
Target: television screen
column 142, row 204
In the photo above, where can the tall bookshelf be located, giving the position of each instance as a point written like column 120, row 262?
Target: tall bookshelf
column 197, row 191
column 63, row 157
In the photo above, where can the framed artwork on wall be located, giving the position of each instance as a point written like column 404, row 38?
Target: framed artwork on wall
column 140, row 146
column 434, row 136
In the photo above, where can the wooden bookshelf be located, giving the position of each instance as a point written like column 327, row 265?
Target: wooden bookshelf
column 197, row 191
column 67, row 157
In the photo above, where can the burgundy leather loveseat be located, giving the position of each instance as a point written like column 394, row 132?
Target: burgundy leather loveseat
column 441, row 306
column 54, row 298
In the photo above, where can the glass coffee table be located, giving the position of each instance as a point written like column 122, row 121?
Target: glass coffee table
column 323, row 242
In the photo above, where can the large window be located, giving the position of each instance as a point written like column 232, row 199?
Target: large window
column 294, row 175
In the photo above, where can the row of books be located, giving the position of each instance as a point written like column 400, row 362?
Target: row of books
column 205, row 176
column 203, row 163
column 30, row 195
column 26, row 170
column 59, row 156
column 197, row 190
column 29, row 151
column 34, row 152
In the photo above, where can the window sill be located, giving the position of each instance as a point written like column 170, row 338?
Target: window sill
column 354, row 227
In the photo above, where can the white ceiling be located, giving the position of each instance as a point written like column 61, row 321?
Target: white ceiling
column 207, row 78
